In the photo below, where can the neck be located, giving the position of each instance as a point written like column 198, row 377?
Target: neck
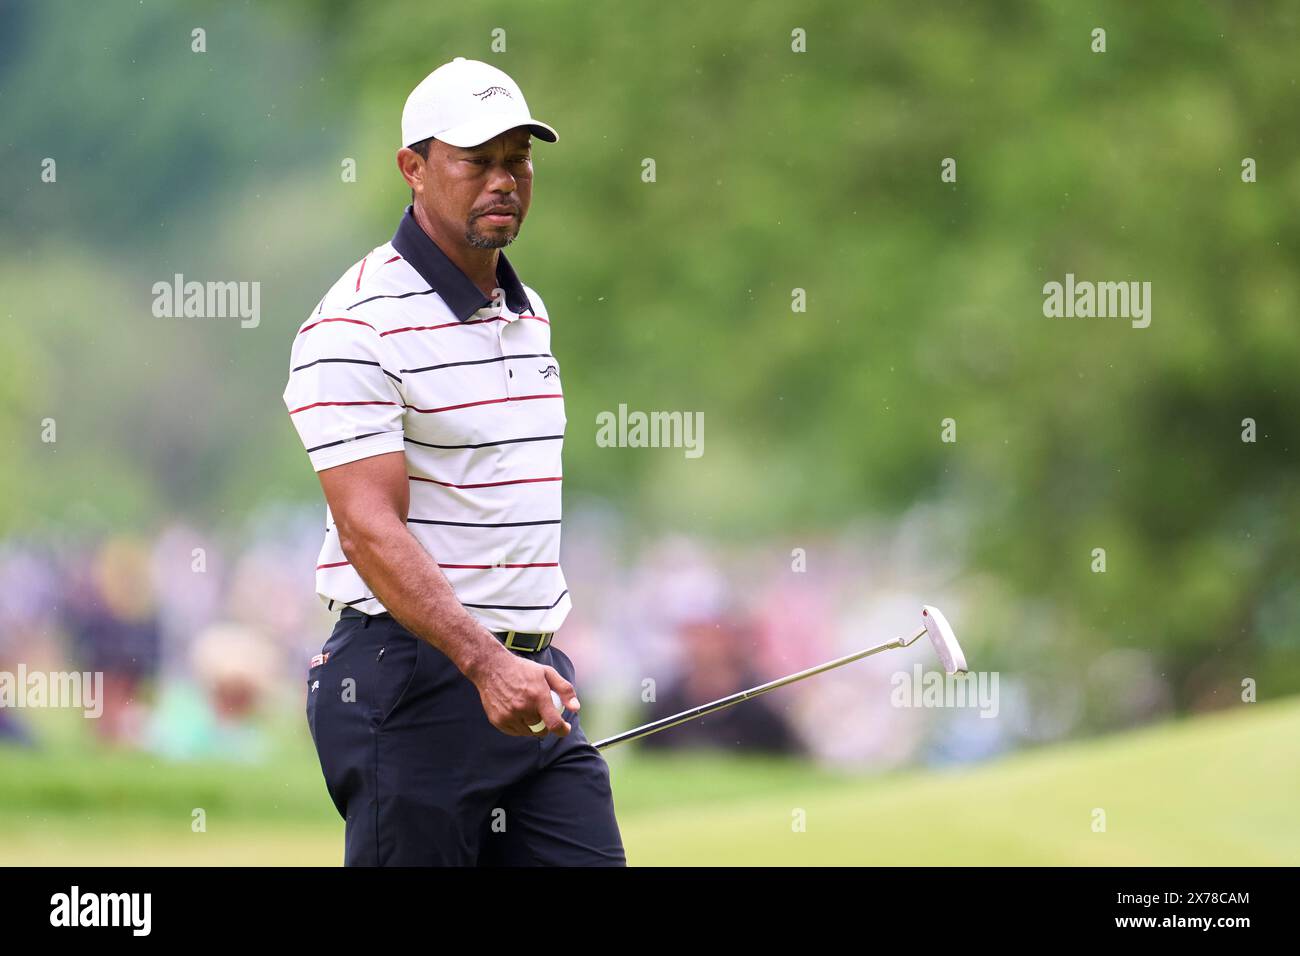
column 479, row 265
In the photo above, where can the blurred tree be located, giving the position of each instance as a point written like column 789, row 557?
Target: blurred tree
column 776, row 171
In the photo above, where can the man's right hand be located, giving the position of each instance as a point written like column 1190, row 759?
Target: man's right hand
column 369, row 500
column 516, row 694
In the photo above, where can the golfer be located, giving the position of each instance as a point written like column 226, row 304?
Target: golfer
column 432, row 409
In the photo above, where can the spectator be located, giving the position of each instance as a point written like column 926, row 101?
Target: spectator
column 718, row 664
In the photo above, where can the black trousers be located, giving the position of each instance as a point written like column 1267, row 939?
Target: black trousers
column 423, row 779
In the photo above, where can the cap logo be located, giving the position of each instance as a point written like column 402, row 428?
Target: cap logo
column 492, row 91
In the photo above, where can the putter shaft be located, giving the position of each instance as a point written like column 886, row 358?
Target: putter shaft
column 664, row 723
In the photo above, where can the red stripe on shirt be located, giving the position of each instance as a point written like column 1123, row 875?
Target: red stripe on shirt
column 324, row 404
column 430, row 328
column 323, row 321
column 361, row 273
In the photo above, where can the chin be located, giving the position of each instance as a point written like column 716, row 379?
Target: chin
column 482, row 240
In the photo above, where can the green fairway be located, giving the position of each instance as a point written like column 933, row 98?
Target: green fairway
column 1214, row 790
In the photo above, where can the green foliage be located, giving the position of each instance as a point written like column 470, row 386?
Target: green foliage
column 775, row 171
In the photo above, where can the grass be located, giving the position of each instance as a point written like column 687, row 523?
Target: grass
column 1214, row 790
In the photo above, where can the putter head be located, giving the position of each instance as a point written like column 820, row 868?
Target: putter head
column 943, row 639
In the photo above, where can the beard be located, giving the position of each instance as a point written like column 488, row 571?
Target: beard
column 496, row 239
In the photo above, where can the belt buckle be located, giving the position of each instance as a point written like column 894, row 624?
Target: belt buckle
column 543, row 641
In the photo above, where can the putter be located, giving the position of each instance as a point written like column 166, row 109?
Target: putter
column 934, row 624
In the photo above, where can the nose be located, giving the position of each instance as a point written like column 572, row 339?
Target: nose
column 502, row 180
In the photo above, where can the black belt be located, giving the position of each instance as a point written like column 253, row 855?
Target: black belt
column 513, row 640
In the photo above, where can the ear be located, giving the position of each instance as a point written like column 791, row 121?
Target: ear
column 412, row 168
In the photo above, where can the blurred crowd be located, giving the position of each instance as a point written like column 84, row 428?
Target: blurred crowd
column 204, row 638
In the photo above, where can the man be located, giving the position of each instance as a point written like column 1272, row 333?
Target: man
column 424, row 389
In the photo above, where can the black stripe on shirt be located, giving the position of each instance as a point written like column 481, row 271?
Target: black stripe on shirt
column 404, row 295
column 499, row 358
column 350, row 362
column 483, row 524
column 489, row 444
column 477, row 524
column 344, row 441
column 521, row 607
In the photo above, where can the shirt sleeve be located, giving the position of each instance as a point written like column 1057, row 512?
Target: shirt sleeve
column 344, row 394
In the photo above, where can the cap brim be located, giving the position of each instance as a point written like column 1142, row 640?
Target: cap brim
column 481, row 130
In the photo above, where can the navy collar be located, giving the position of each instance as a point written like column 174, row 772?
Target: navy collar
column 455, row 288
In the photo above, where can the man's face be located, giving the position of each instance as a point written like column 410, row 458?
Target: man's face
column 481, row 192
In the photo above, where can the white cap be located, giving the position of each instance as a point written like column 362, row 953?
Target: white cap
column 465, row 103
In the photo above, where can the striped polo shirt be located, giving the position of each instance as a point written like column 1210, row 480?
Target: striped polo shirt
column 405, row 353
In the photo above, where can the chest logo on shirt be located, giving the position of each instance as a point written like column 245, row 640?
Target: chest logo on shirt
column 549, row 372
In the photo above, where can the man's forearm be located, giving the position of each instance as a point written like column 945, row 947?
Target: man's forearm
column 411, row 586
